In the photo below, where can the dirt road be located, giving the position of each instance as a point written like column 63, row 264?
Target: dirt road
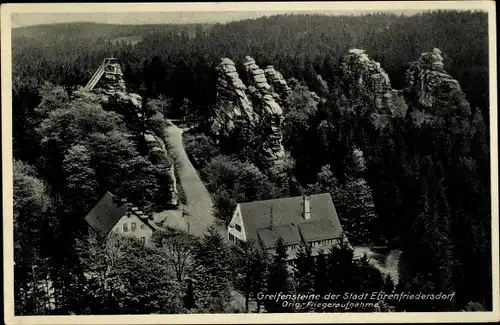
column 199, row 205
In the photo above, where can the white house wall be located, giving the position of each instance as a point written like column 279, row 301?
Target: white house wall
column 237, row 220
column 141, row 230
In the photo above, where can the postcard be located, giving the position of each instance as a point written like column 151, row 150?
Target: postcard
column 250, row 162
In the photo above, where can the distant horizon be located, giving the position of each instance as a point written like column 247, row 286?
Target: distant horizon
column 20, row 20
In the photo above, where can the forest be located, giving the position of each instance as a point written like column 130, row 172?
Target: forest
column 419, row 187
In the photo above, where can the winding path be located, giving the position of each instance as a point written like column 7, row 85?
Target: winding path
column 199, row 205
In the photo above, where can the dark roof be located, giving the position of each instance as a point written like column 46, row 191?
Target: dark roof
column 322, row 224
column 106, row 213
column 318, row 230
column 289, row 234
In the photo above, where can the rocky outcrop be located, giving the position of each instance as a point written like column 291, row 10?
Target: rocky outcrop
column 159, row 157
column 112, row 79
column 233, row 108
column 111, row 88
column 269, row 112
column 431, row 89
column 359, row 72
column 258, row 113
column 259, row 86
column 429, row 93
column 277, row 82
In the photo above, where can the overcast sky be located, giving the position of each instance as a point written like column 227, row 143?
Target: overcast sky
column 27, row 19
column 215, row 12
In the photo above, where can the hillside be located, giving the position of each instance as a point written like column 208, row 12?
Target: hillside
column 298, row 45
column 90, row 30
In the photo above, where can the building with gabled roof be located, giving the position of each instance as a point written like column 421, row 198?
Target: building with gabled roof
column 112, row 214
column 311, row 220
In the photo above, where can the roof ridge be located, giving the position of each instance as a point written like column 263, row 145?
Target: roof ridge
column 285, row 198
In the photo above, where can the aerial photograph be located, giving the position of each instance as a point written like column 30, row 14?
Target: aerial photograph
column 251, row 162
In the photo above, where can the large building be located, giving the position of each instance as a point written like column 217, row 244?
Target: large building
column 311, row 220
column 112, row 214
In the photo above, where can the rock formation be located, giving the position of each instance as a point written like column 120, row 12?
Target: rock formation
column 269, row 112
column 111, row 87
column 277, row 82
column 272, row 119
column 253, row 108
column 429, row 93
column 233, row 108
column 158, row 156
column 112, row 78
column 258, row 80
column 359, row 72
column 432, row 88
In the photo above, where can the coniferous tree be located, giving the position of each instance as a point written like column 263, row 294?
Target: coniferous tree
column 388, row 284
column 259, row 271
column 369, row 278
column 189, row 298
column 320, row 273
column 341, row 267
column 213, row 273
column 246, row 255
column 278, row 278
column 304, row 266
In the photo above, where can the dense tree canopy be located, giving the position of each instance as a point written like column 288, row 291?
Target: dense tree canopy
column 418, row 182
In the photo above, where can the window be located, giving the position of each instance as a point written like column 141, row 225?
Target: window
column 231, row 237
column 132, row 226
column 143, row 226
column 143, row 240
column 125, row 227
column 237, row 227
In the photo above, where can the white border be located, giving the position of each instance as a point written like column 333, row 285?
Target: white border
column 6, row 80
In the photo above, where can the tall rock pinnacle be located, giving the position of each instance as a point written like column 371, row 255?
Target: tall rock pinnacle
column 432, row 88
column 233, row 106
column 360, row 72
column 258, row 113
column 277, row 82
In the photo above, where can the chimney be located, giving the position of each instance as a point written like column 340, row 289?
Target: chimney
column 306, row 207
